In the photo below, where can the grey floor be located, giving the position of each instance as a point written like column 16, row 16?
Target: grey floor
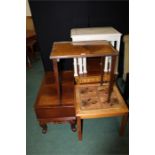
column 100, row 136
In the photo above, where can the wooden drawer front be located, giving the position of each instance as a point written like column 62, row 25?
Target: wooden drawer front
column 56, row 112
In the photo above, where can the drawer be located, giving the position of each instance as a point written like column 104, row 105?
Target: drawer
column 55, row 112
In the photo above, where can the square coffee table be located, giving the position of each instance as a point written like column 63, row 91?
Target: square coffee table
column 91, row 102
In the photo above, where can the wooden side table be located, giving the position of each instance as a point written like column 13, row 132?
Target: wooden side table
column 47, row 106
column 99, row 110
column 66, row 50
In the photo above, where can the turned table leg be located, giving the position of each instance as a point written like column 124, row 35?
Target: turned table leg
column 73, row 125
column 123, row 124
column 79, row 127
column 44, row 128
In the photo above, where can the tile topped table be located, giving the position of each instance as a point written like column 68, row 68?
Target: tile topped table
column 95, row 106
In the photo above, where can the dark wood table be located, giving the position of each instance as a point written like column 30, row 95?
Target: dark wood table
column 66, row 50
column 47, row 106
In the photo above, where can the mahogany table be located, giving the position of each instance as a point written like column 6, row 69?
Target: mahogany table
column 47, row 106
column 66, row 50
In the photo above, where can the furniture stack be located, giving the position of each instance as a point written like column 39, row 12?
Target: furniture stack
column 86, row 92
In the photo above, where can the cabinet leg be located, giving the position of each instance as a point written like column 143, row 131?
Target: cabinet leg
column 79, row 127
column 73, row 125
column 123, row 124
column 44, row 128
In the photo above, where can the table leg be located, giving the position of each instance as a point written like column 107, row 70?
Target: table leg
column 111, row 77
column 56, row 75
column 102, row 69
column 79, row 127
column 123, row 124
column 44, row 128
column 73, row 125
column 28, row 61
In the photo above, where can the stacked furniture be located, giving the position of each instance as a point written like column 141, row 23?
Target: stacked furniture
column 86, row 93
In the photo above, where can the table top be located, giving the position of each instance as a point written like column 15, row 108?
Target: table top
column 94, row 31
column 47, row 96
column 82, row 49
column 116, row 107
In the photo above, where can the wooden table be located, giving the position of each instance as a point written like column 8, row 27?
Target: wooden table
column 102, row 110
column 47, row 106
column 66, row 50
column 30, row 41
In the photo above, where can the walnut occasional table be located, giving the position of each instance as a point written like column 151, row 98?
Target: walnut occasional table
column 67, row 50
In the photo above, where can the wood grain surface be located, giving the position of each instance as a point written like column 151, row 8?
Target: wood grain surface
column 72, row 50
